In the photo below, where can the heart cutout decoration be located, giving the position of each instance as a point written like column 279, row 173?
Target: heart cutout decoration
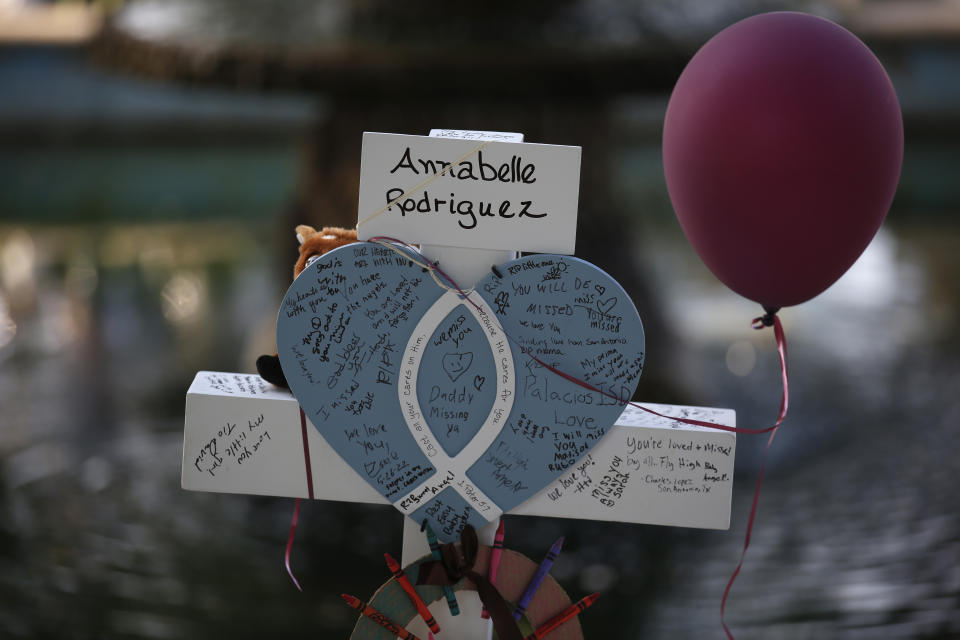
column 436, row 403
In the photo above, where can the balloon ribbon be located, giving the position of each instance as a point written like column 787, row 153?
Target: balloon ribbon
column 759, row 323
column 457, row 563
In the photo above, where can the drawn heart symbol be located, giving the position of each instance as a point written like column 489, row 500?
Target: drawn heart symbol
column 604, row 306
column 455, row 364
column 374, row 352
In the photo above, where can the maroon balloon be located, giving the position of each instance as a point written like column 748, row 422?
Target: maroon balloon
column 782, row 147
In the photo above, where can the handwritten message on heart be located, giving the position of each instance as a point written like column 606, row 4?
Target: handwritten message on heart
column 433, row 401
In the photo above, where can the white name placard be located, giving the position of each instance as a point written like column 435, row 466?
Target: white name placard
column 472, row 193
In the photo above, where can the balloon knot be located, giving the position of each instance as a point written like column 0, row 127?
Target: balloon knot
column 767, row 319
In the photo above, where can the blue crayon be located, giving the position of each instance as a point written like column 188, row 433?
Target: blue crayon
column 537, row 579
column 435, row 552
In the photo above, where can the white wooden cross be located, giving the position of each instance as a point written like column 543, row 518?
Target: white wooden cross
column 243, row 435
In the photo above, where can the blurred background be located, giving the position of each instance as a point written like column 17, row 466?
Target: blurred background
column 154, row 158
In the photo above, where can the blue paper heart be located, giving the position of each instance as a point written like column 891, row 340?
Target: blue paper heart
column 432, row 401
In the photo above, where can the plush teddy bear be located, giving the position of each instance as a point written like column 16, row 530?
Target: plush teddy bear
column 313, row 244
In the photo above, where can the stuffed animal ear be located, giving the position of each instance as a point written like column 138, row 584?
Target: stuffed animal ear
column 317, row 243
column 305, row 232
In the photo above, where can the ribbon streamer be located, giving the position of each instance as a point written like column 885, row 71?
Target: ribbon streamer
column 456, row 564
column 290, row 537
column 296, row 504
column 306, row 453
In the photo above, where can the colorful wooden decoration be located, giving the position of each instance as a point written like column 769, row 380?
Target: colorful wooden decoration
column 514, row 573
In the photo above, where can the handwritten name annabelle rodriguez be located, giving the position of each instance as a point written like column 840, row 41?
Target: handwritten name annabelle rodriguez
column 515, row 171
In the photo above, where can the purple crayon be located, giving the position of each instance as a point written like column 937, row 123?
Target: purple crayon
column 538, row 577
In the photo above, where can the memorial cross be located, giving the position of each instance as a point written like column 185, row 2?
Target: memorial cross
column 241, row 434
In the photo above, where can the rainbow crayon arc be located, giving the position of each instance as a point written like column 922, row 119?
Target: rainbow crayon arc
column 537, row 579
column 570, row 612
column 375, row 616
column 415, row 598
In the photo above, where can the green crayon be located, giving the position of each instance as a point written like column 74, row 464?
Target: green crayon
column 435, row 552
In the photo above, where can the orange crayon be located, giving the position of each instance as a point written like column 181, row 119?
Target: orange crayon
column 563, row 616
column 411, row 593
column 377, row 617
